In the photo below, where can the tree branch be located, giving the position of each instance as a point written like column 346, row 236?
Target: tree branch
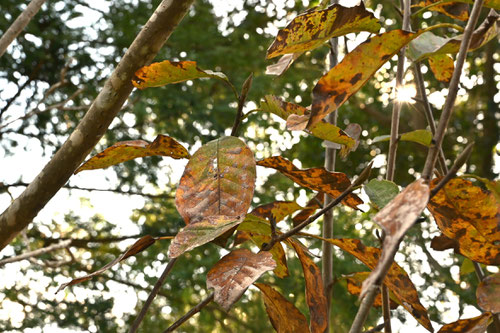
column 92, row 127
column 190, row 313
column 63, row 244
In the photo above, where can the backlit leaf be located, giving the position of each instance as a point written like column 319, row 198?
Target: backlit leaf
column 283, row 64
column 381, row 192
column 166, row 72
column 488, row 293
column 456, row 10
column 140, row 245
column 473, row 325
column 235, row 272
column 421, row 136
column 312, row 28
column 214, row 192
column 315, row 290
column 284, row 316
column 322, row 130
column 354, row 131
column 128, row 150
column 317, row 179
column 354, row 282
column 471, row 217
column 442, row 66
column 467, row 267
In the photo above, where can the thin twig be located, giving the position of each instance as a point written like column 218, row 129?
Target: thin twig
column 452, row 91
column 63, row 244
column 190, row 313
column 152, row 295
column 241, row 103
column 375, row 329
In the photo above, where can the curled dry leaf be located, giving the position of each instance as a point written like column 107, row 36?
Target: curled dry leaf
column 311, row 29
column 456, row 10
column 317, row 179
column 284, row 316
column 166, row 72
column 140, row 245
column 214, row 193
column 470, row 216
column 128, row 150
column 354, row 282
column 283, row 64
column 315, row 290
column 488, row 293
column 235, row 272
column 477, row 324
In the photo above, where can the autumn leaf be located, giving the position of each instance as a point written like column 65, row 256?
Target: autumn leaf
column 277, row 210
column 322, row 130
column 166, row 72
column 235, row 272
column 470, row 216
column 456, row 10
column 214, row 192
column 128, row 150
column 420, row 136
column 317, row 179
column 315, row 290
column 284, row 316
column 442, row 66
column 312, row 28
column 473, row 325
column 310, row 208
column 283, row 64
column 354, row 282
column 140, row 245
column 381, row 192
column 354, row 131
column 487, row 293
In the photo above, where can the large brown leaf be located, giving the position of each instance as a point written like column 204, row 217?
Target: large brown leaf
column 396, row 218
column 214, row 193
column 311, row 29
column 277, row 251
column 472, row 325
column 128, row 150
column 354, row 282
column 284, row 316
column 315, row 290
column 488, row 293
column 317, row 179
column 235, row 272
column 471, row 216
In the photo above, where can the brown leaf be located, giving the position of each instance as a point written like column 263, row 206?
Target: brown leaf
column 442, row 243
column 284, row 316
column 315, row 290
column 128, row 150
column 442, row 67
column 354, row 282
column 311, row 29
column 214, row 193
column 473, row 325
column 277, row 210
column 488, row 293
column 317, row 179
column 456, row 10
column 311, row 207
column 235, row 272
column 140, row 245
column 469, row 215
column 277, row 251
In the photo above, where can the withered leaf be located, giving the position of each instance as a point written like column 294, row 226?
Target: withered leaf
column 317, row 179
column 166, row 72
column 322, row 130
column 283, row 64
column 315, row 290
column 140, row 245
column 470, row 216
column 354, row 282
column 235, row 272
column 473, row 325
column 487, row 293
column 284, row 316
column 311, row 207
column 128, row 150
column 456, row 10
column 311, row 29
column 442, row 66
column 214, row 192
column 277, row 251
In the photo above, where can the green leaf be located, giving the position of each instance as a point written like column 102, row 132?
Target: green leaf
column 421, row 136
column 467, row 267
column 381, row 192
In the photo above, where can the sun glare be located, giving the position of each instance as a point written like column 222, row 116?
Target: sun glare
column 406, row 93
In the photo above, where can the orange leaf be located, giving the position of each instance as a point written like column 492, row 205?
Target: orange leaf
column 488, row 293
column 456, row 10
column 354, row 282
column 473, row 325
column 470, row 216
column 442, row 67
column 128, row 150
column 277, row 210
column 214, row 192
column 284, row 316
column 311, row 207
column 235, row 272
column 317, row 179
column 315, row 290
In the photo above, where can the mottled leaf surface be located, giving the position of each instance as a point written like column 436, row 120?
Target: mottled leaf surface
column 315, row 290
column 214, row 193
column 456, row 10
column 354, row 283
column 140, row 245
column 277, row 252
column 311, row 207
column 317, row 179
column 128, row 150
column 235, row 272
column 166, row 72
column 311, row 29
column 284, row 316
column 381, row 192
column 488, row 293
column 473, row 325
column 277, row 210
column 442, row 66
column 470, row 216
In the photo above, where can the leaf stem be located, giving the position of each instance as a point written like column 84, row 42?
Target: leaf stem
column 241, row 103
column 190, row 313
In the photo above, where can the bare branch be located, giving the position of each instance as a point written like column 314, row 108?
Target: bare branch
column 63, row 244
column 190, row 313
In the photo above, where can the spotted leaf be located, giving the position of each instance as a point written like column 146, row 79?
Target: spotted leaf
column 472, row 325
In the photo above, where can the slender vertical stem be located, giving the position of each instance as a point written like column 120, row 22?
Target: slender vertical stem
column 386, row 308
